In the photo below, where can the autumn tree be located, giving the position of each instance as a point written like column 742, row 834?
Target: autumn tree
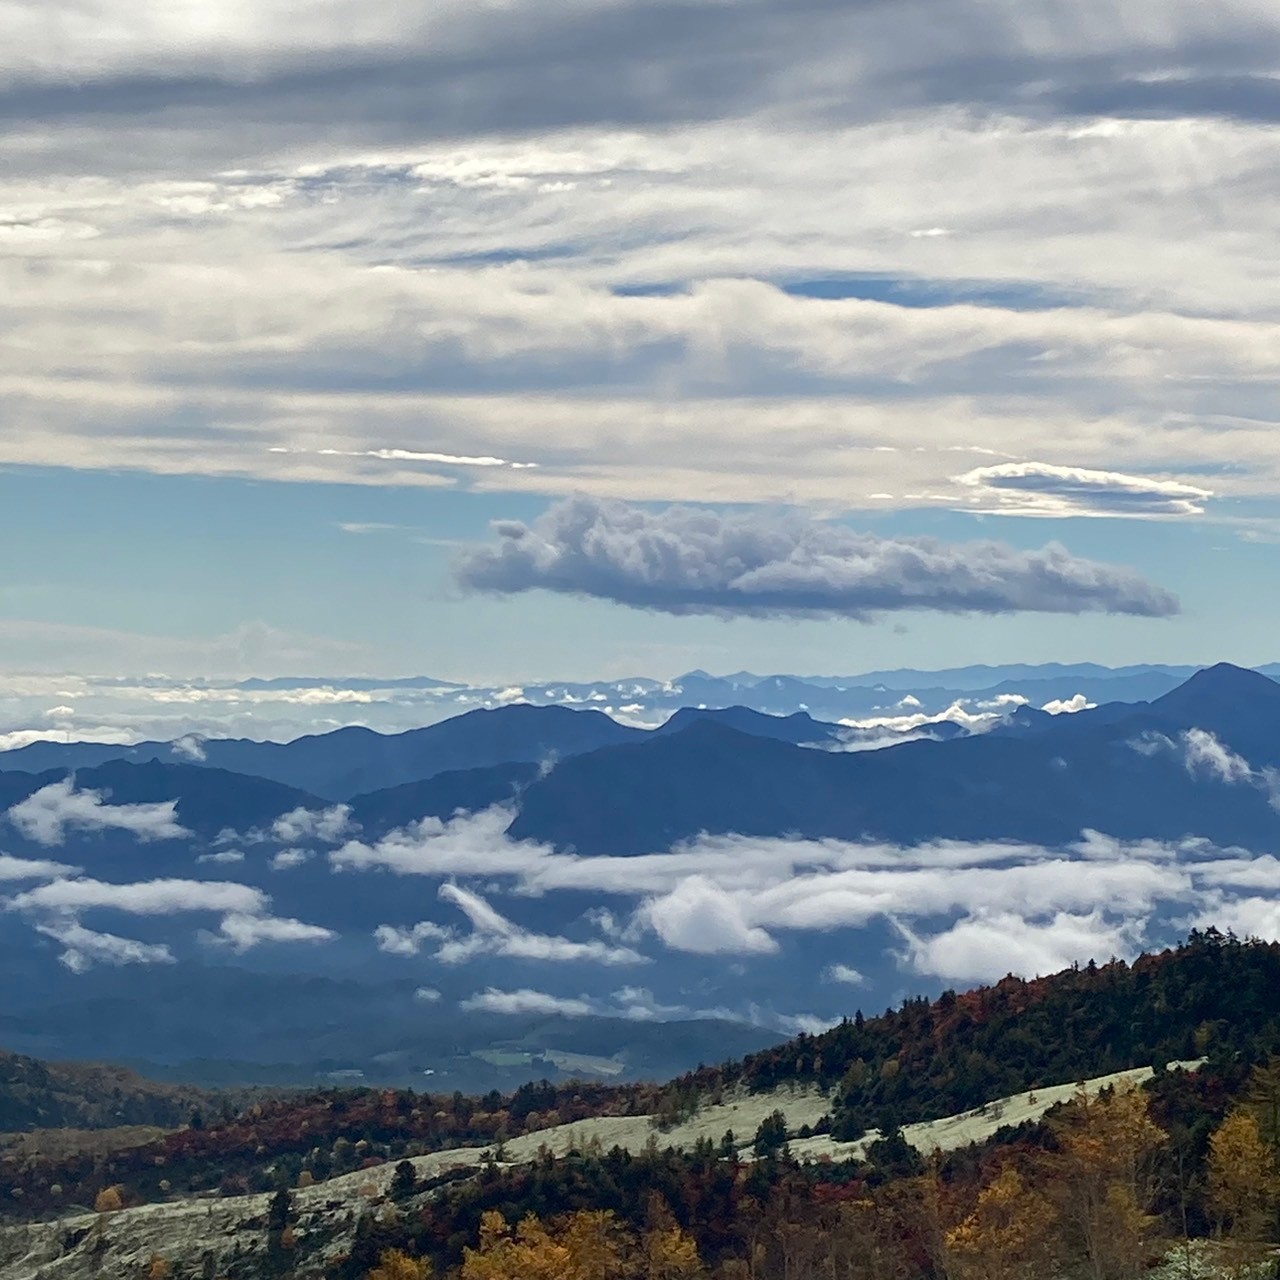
column 397, row 1265
column 1010, row 1235
column 1243, row 1184
column 1103, row 1180
column 108, row 1201
column 1262, row 1100
column 527, row 1253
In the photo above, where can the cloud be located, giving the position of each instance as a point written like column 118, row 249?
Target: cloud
column 683, row 560
column 12, row 868
column 287, row 859
column 226, row 857
column 1204, row 753
column 987, row 946
column 1041, row 489
column 327, row 825
column 87, row 947
column 493, row 934
column 1068, row 706
column 408, row 455
column 698, row 916
column 428, row 995
column 46, row 815
column 843, row 973
column 526, row 1002
column 408, row 942
column 189, row 747
column 144, row 898
column 243, row 931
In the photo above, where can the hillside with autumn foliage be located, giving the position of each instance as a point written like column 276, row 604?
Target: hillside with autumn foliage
column 831, row 1170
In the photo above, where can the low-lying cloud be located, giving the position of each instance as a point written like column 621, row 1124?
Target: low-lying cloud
column 46, row 815
column 685, row 560
column 1205, row 756
column 525, row 1001
column 83, row 948
column 966, row 911
column 493, row 934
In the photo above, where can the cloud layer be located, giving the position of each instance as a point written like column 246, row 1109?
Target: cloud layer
column 681, row 560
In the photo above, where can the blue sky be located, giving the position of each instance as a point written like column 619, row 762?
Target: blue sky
column 190, row 559
column 296, row 301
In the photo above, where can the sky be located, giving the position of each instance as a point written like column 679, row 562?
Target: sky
column 590, row 338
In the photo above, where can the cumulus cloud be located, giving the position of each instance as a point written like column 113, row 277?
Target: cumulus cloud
column 287, row 859
column 86, row 947
column 526, row 1001
column 846, row 974
column 46, row 815
column 684, row 560
column 698, row 916
column 1041, row 489
column 986, row 946
column 1068, row 706
column 329, row 826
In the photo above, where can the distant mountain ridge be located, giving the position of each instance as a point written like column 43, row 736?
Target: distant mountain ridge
column 1088, row 770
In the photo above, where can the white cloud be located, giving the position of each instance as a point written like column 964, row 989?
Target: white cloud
column 287, row 859
column 189, row 747
column 428, row 995
column 700, row 917
column 526, row 1002
column 12, row 868
column 87, row 947
column 144, row 898
column 1204, row 753
column 844, row 973
column 244, row 931
column 408, row 942
column 46, row 815
column 329, row 826
column 1068, row 706
column 986, row 946
column 493, row 934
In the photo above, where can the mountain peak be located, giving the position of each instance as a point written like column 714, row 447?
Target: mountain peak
column 1219, row 684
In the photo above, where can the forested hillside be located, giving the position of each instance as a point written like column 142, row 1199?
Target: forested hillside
column 344, row 1185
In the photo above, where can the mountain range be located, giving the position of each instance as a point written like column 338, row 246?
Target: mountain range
column 534, row 883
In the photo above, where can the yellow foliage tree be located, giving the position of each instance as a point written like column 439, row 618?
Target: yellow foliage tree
column 1009, row 1235
column 528, row 1253
column 589, row 1245
column 1103, row 1180
column 395, row 1265
column 668, row 1253
column 1243, row 1184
